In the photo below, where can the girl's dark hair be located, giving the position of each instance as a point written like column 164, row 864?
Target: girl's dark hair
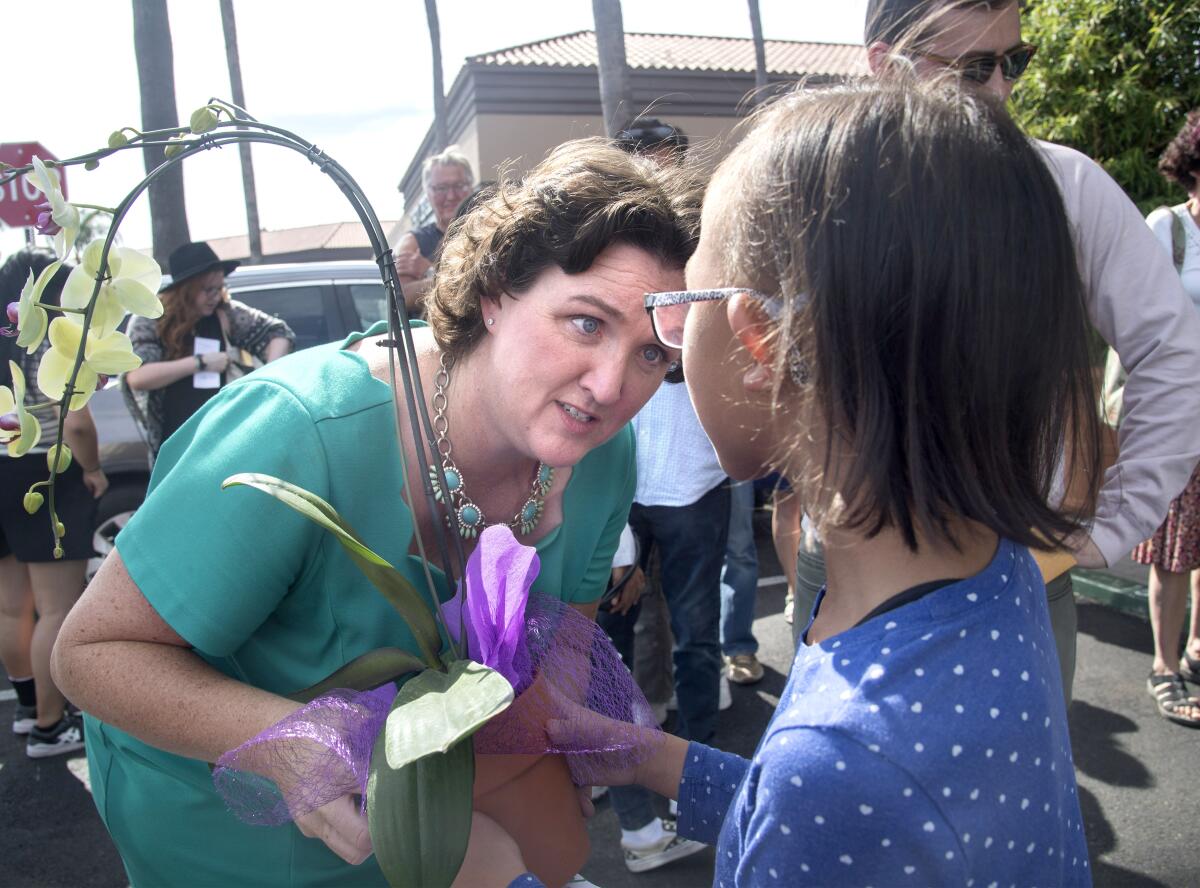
column 13, row 274
column 1181, row 159
column 935, row 298
column 585, row 197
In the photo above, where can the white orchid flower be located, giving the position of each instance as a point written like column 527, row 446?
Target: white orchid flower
column 12, row 400
column 133, row 283
column 109, row 355
column 61, row 218
column 32, row 319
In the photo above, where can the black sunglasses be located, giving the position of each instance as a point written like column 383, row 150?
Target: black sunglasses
column 979, row 68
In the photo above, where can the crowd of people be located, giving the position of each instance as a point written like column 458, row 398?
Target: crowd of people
column 879, row 302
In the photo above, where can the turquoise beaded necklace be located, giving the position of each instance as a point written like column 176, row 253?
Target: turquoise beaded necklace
column 470, row 517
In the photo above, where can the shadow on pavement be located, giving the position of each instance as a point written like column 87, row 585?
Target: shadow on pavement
column 1108, row 626
column 1101, row 840
column 1098, row 751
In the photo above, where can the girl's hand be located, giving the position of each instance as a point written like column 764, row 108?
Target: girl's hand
column 493, row 858
column 96, row 482
column 340, row 826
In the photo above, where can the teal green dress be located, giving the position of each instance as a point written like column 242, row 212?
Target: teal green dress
column 268, row 598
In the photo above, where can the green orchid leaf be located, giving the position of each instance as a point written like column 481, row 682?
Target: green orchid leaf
column 394, row 586
column 420, row 815
column 435, row 710
column 364, row 673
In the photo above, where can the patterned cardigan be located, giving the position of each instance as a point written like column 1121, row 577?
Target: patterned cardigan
column 247, row 328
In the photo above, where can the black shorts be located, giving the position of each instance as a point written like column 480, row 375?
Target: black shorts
column 29, row 536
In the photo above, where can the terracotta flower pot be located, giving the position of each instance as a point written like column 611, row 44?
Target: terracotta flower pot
column 532, row 796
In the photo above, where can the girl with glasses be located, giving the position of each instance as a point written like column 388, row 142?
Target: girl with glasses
column 913, row 364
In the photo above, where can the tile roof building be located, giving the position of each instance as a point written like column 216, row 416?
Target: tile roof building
column 508, row 107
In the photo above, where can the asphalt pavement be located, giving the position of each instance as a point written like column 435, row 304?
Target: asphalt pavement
column 1136, row 773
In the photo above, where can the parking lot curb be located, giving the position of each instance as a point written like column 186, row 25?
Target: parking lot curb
column 1110, row 590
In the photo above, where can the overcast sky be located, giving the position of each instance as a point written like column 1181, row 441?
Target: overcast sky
column 351, row 76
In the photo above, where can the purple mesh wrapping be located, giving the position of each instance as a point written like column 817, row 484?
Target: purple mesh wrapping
column 319, row 753
column 574, row 698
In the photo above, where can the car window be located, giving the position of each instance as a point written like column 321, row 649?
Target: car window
column 302, row 307
column 370, row 301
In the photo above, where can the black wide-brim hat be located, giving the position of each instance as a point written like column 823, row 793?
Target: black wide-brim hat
column 193, row 259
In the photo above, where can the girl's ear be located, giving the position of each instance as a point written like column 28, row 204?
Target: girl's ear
column 754, row 330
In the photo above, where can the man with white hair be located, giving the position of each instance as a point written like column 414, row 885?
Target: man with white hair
column 447, row 179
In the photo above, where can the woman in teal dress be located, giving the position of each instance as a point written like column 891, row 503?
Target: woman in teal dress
column 216, row 603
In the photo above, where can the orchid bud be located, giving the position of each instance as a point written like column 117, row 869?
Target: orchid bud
column 33, row 501
column 202, row 120
column 173, row 149
column 92, row 165
column 45, row 220
column 58, row 458
column 10, row 422
column 118, row 140
column 14, row 312
column 60, row 529
column 58, row 552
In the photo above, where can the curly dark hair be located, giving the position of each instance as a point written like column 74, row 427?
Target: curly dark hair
column 1181, row 159
column 585, row 197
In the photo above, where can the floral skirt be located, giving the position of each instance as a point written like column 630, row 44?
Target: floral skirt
column 1175, row 546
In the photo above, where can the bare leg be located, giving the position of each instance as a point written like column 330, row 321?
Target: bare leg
column 1193, row 642
column 1168, row 596
column 16, row 618
column 56, row 587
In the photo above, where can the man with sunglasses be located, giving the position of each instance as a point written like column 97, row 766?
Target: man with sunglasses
column 1134, row 297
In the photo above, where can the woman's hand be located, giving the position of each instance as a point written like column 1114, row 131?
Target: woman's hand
column 493, row 858
column 340, row 826
column 215, row 362
column 631, row 592
column 95, row 481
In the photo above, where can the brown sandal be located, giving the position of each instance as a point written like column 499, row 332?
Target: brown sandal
column 1172, row 697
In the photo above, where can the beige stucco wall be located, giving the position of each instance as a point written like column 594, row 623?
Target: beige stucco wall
column 523, row 140
column 516, row 142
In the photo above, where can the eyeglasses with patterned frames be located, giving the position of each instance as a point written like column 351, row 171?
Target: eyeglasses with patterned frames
column 978, row 68
column 668, row 311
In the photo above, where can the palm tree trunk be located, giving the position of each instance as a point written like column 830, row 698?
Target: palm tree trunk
column 760, row 51
column 439, row 94
column 253, row 228
column 156, row 82
column 616, row 93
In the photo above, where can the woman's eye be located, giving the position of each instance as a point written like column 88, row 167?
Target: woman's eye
column 652, row 354
column 586, row 325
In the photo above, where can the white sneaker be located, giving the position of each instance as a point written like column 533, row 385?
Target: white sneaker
column 578, row 881
column 64, row 737
column 668, row 848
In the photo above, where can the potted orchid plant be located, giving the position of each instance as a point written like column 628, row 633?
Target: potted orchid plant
column 493, row 664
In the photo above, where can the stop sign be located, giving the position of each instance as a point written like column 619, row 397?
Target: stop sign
column 19, row 198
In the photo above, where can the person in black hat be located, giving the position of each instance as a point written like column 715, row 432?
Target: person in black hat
column 649, row 135
column 196, row 346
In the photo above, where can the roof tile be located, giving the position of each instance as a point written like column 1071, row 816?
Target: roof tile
column 682, row 52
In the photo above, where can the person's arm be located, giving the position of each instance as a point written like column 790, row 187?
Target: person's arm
column 197, row 571
column 1137, row 304
column 160, row 374
column 79, row 431
column 411, row 270
column 824, row 810
column 265, row 336
column 277, row 348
